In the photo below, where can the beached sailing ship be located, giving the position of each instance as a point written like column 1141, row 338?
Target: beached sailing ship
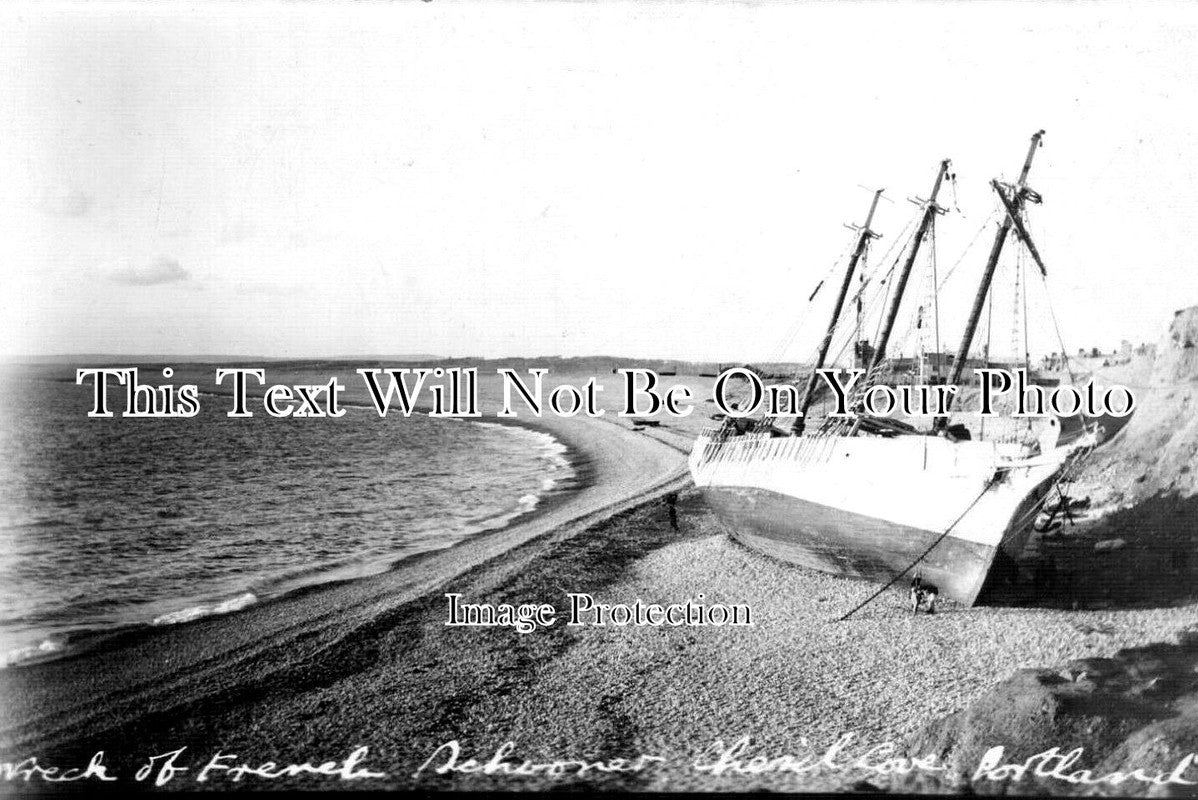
column 878, row 499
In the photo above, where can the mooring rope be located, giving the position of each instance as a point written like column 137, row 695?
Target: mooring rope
column 1067, row 473
column 924, row 554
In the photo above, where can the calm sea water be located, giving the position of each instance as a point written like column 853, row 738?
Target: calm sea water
column 107, row 523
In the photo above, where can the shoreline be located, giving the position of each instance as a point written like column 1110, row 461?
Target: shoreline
column 264, row 636
column 85, row 640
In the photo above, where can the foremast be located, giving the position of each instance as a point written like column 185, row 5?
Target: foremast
column 865, row 234
column 931, row 209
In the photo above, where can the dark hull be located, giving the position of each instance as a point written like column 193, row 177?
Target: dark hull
column 844, row 543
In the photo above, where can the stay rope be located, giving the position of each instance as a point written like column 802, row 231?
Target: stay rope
column 1055, row 325
column 965, row 252
column 924, row 554
column 1075, row 461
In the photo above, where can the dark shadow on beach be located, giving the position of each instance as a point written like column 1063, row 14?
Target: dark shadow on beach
column 1144, row 556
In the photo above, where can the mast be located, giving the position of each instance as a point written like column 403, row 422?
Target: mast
column 1014, row 202
column 929, row 213
column 862, row 240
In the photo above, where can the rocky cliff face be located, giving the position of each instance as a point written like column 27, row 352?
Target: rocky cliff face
column 1143, row 489
column 1138, row 710
column 1156, row 452
column 1177, row 353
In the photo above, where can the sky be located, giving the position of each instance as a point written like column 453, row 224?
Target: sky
column 657, row 179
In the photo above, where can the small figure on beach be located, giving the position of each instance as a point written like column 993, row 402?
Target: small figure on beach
column 923, row 592
column 672, row 506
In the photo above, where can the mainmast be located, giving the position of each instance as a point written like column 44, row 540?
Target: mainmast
column 862, row 240
column 1013, row 199
column 929, row 213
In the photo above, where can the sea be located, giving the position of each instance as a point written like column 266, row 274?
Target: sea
column 111, row 524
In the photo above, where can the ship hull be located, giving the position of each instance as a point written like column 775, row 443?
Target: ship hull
column 855, row 545
column 957, row 513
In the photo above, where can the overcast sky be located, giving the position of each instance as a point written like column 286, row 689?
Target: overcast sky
column 649, row 179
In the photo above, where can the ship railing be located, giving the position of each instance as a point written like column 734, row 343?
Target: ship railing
column 1003, row 429
column 736, row 451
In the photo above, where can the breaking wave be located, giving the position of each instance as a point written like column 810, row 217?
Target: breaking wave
column 120, row 524
column 196, row 612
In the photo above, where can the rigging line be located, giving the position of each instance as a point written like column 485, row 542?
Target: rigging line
column 878, row 301
column 968, row 247
column 847, row 341
column 835, row 264
column 993, row 479
column 909, row 337
column 886, row 256
column 789, row 337
column 873, row 301
column 1072, row 466
column 902, row 237
column 797, row 326
column 1018, row 269
column 837, row 331
column 865, row 282
column 884, row 300
column 989, row 327
column 856, row 333
column 985, row 361
column 912, row 323
column 935, row 291
column 881, row 317
column 1027, row 350
column 792, row 333
column 1021, row 281
column 1060, row 339
column 1065, row 356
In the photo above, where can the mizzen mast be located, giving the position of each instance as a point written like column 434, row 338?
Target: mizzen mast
column 865, row 234
column 1013, row 199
